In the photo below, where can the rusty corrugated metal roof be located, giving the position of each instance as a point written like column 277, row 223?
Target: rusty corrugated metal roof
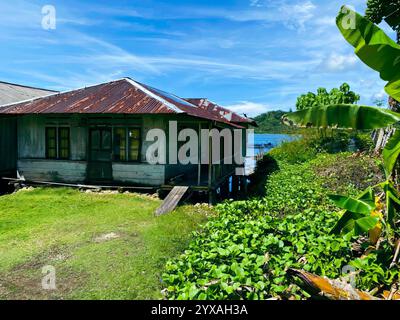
column 212, row 107
column 124, row 96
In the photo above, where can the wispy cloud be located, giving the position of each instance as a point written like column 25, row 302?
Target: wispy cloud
column 337, row 62
column 249, row 108
column 252, row 55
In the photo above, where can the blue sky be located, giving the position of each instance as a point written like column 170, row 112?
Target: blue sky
column 250, row 55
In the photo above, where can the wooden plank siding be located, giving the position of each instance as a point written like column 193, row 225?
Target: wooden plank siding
column 33, row 165
column 141, row 173
column 52, row 170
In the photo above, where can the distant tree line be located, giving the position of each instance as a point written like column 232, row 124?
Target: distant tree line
column 270, row 122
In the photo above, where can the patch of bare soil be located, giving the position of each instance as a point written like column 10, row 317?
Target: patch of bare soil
column 25, row 280
column 358, row 170
column 107, row 237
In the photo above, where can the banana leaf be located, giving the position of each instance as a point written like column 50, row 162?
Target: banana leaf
column 353, row 205
column 392, row 202
column 373, row 47
column 345, row 116
column 346, row 223
column 365, row 224
column 391, row 153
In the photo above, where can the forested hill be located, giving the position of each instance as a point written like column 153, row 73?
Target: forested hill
column 270, row 122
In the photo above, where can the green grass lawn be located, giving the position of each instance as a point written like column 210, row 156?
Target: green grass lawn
column 67, row 229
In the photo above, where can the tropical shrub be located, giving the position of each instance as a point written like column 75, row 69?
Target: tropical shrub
column 245, row 251
column 312, row 142
column 323, row 97
column 363, row 141
column 374, row 211
column 297, row 151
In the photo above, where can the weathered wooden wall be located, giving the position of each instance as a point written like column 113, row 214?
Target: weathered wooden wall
column 52, row 170
column 32, row 133
column 33, row 165
column 141, row 173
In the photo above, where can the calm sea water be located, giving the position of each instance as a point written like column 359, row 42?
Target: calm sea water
column 264, row 142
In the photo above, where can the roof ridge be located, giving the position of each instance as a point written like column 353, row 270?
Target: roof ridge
column 154, row 95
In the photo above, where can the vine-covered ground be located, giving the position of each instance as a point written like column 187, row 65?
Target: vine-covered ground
column 244, row 252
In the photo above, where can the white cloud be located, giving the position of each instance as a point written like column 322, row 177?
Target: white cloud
column 337, row 62
column 249, row 108
column 295, row 16
column 381, row 95
column 327, row 21
column 255, row 3
column 292, row 16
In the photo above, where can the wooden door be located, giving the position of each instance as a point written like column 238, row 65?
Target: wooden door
column 100, row 155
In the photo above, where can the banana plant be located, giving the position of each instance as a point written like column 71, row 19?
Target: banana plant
column 366, row 213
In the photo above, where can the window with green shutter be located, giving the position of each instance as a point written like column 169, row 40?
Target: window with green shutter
column 127, row 143
column 57, row 143
column 51, row 143
column 63, row 143
column 134, row 144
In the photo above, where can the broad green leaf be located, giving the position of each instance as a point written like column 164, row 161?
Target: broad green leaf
column 345, row 225
column 346, row 116
column 373, row 47
column 391, row 153
column 392, row 202
column 353, row 205
column 365, row 224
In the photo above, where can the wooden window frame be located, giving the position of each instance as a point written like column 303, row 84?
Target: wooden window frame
column 47, row 143
column 58, row 142
column 127, row 144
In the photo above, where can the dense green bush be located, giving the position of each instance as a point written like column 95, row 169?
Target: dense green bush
column 327, row 141
column 297, row 151
column 364, row 142
column 245, row 251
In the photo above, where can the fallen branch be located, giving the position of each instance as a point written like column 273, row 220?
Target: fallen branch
column 330, row 289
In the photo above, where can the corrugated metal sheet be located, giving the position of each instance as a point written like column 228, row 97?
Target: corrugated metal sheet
column 231, row 116
column 123, row 96
column 190, row 108
column 11, row 93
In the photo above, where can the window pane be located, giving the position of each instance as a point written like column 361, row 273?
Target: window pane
column 134, row 144
column 63, row 144
column 51, row 151
column 120, row 144
column 64, row 132
column 51, row 143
